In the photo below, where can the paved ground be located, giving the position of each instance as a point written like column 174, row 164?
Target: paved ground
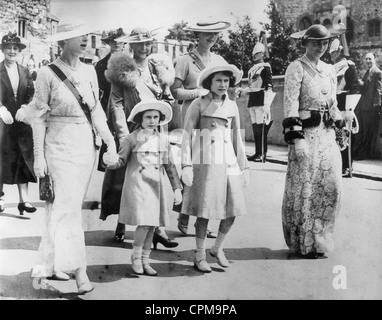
column 260, row 266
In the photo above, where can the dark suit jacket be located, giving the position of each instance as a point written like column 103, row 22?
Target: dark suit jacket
column 103, row 84
column 16, row 138
column 371, row 90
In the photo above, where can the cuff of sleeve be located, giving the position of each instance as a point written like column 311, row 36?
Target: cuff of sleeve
column 340, row 123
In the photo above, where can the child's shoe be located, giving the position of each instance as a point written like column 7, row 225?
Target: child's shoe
column 136, row 265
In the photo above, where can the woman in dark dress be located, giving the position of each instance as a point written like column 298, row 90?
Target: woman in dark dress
column 16, row 143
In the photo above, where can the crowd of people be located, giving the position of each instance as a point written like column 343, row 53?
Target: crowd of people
column 51, row 127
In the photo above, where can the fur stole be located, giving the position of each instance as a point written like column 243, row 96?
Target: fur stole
column 122, row 70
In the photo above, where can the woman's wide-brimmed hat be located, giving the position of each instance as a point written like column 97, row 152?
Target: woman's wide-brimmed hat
column 220, row 67
column 209, row 26
column 152, row 104
column 13, row 39
column 317, row 32
column 71, row 30
column 138, row 35
column 110, row 35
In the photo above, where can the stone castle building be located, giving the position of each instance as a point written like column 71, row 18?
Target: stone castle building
column 32, row 21
column 363, row 19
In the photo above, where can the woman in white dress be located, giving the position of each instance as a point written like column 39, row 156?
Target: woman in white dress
column 64, row 147
column 313, row 184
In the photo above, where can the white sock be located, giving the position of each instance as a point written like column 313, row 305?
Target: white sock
column 145, row 256
column 200, row 249
column 137, row 252
column 219, row 241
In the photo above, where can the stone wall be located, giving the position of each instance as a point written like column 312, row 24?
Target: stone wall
column 36, row 14
column 275, row 135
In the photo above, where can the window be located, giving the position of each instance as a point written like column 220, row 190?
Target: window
column 374, row 28
column 93, row 42
column 305, row 23
column 22, row 28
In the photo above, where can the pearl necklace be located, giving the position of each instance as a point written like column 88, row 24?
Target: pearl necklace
column 314, row 66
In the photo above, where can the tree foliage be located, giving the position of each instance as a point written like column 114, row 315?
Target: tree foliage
column 241, row 42
column 283, row 50
column 177, row 32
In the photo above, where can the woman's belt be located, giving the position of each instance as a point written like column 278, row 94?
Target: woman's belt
column 315, row 117
column 79, row 120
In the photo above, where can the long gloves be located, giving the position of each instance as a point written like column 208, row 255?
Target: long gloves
column 99, row 122
column 39, row 128
column 186, row 94
column 188, row 176
column 6, row 115
column 301, row 148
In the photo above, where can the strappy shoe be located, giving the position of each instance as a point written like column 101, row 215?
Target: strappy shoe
column 220, row 256
column 25, row 206
column 84, row 287
column 202, row 266
column 149, row 270
column 59, row 276
column 136, row 265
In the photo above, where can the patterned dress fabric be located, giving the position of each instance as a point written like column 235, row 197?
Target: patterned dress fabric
column 313, row 185
column 70, row 156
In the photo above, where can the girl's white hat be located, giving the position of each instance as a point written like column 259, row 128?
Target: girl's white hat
column 152, row 104
column 219, row 67
column 71, row 30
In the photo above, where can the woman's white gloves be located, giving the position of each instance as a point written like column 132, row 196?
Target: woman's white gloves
column 40, row 167
column 349, row 116
column 6, row 115
column 100, row 125
column 301, row 148
column 187, row 176
column 178, row 196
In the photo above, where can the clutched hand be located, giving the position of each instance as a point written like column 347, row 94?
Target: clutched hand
column 301, row 148
column 20, row 115
column 178, row 198
column 267, row 114
column 349, row 116
column 6, row 115
column 187, row 176
column 110, row 158
column 40, row 167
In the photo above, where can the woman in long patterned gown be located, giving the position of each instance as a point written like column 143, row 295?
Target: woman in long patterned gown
column 313, row 184
column 64, row 147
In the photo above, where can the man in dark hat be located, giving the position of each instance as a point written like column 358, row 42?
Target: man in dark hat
column 101, row 66
column 104, row 85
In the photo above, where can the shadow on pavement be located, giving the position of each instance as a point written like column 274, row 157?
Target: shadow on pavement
column 10, row 215
column 105, row 238
column 21, row 287
column 116, row 272
column 20, row 243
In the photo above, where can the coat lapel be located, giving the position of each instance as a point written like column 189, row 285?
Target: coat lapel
column 4, row 77
column 22, row 82
column 216, row 111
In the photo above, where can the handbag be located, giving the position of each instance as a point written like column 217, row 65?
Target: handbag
column 46, row 189
column 58, row 72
